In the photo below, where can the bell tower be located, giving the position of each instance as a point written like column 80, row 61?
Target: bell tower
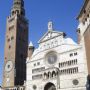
column 16, row 46
column 18, row 7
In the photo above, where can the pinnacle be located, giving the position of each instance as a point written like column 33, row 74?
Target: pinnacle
column 50, row 26
column 30, row 44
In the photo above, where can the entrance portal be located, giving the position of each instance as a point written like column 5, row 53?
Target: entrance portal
column 49, row 86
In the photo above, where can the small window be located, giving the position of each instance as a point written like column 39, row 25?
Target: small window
column 84, row 11
column 21, row 88
column 88, row 15
column 68, row 63
column 59, row 65
column 11, row 28
column 71, row 54
column 38, row 63
column 8, row 39
column 12, row 38
column 71, row 71
column 5, row 57
column 34, row 64
column 22, row 13
column 9, row 47
column 13, row 12
column 75, row 53
column 78, row 30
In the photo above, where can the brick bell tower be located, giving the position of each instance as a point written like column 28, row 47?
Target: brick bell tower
column 16, row 46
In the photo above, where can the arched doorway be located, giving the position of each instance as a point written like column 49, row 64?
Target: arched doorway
column 49, row 86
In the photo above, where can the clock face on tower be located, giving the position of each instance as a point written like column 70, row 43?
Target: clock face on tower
column 51, row 58
column 8, row 66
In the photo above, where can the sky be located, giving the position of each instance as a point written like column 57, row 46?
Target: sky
column 63, row 13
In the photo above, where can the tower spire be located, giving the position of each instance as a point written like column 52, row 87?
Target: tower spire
column 18, row 7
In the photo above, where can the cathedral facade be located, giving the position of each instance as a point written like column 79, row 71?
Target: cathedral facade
column 57, row 64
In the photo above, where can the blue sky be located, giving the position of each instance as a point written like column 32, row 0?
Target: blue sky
column 63, row 13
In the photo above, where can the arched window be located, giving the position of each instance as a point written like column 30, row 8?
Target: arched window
column 53, row 73
column 70, row 63
column 61, row 65
column 13, row 12
column 45, row 75
column 77, row 69
column 75, row 61
column 69, row 71
column 49, row 74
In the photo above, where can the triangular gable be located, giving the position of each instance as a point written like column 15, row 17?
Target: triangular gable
column 49, row 35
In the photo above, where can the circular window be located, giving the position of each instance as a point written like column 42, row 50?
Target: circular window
column 51, row 58
column 75, row 82
column 34, row 87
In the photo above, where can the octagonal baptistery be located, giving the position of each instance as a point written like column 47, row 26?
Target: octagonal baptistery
column 57, row 64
